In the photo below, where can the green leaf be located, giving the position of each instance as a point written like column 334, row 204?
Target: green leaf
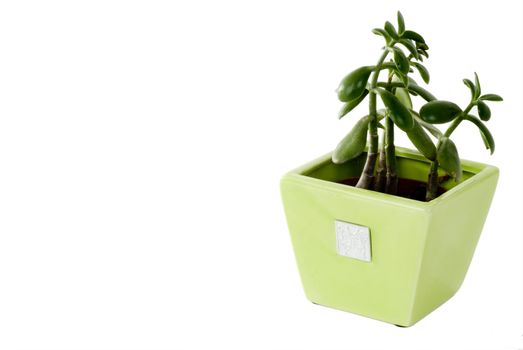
column 404, row 97
column 387, row 65
column 427, row 96
column 422, row 46
column 353, row 144
column 448, row 158
column 423, row 53
column 399, row 114
column 421, row 140
column 353, row 85
column 349, row 106
column 485, row 141
column 404, row 78
column 391, row 30
column 383, row 33
column 401, row 23
column 491, row 97
column 439, row 111
column 414, row 89
column 478, row 86
column 410, row 46
column 471, row 86
column 431, row 128
column 422, row 71
column 483, row 111
column 401, row 61
column 409, row 34
column 402, row 94
column 485, row 133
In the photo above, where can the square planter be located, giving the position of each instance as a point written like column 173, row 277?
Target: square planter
column 377, row 255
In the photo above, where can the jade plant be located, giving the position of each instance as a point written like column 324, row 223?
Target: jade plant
column 379, row 172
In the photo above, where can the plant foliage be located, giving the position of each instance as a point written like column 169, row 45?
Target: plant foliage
column 396, row 93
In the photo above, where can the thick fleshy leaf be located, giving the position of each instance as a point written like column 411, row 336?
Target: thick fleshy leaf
column 422, row 71
column 471, row 86
column 421, row 140
column 448, row 158
column 429, row 127
column 399, row 114
column 404, row 78
column 409, row 34
column 483, row 111
column 402, row 94
column 488, row 139
column 427, row 96
column 388, row 65
column 401, row 61
column 478, row 86
column 410, row 46
column 485, row 141
column 353, row 144
column 491, row 97
column 391, row 30
column 414, row 89
column 383, row 33
column 439, row 111
column 401, row 23
column 422, row 46
column 423, row 52
column 353, row 85
column 349, row 106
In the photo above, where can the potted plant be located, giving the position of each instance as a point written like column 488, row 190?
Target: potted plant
column 389, row 232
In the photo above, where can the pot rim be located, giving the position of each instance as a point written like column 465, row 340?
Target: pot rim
column 480, row 172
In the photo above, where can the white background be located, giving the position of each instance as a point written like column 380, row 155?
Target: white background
column 141, row 146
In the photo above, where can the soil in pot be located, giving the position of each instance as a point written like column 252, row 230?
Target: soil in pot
column 407, row 188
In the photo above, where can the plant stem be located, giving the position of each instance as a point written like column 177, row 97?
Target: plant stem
column 380, row 184
column 427, row 96
column 432, row 185
column 381, row 172
column 458, row 120
column 367, row 174
column 391, row 186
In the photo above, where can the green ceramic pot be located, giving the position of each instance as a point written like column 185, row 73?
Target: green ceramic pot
column 377, row 255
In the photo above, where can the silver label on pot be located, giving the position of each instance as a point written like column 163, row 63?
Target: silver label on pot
column 353, row 241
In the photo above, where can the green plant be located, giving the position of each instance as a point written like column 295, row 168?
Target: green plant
column 439, row 111
column 395, row 93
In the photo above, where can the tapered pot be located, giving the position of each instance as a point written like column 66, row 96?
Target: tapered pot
column 382, row 256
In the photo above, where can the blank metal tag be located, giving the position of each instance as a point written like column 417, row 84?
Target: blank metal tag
column 353, row 241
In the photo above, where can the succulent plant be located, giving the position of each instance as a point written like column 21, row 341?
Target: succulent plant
column 396, row 95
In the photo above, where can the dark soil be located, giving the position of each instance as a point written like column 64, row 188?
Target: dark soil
column 407, row 188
